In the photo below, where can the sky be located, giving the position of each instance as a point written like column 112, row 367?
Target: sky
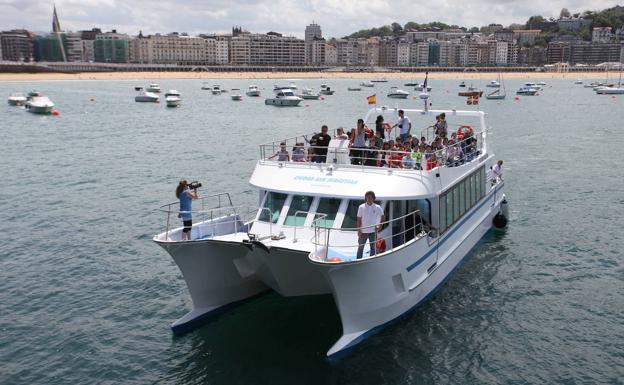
column 337, row 18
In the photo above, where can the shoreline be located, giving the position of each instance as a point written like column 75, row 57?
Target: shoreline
column 291, row 75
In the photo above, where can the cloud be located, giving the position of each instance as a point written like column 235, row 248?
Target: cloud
column 336, row 17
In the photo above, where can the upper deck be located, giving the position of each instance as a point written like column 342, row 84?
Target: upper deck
column 289, row 165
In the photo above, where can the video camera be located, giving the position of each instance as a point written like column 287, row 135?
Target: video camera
column 194, row 185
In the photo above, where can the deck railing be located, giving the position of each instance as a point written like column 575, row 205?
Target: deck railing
column 452, row 155
column 323, row 241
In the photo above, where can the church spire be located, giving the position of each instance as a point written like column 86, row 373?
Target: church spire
column 56, row 26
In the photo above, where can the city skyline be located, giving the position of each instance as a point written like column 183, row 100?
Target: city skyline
column 337, row 18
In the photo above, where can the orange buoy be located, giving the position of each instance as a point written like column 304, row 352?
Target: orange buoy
column 56, row 113
column 334, row 259
column 516, row 98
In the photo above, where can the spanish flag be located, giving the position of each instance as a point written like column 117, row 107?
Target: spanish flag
column 372, row 99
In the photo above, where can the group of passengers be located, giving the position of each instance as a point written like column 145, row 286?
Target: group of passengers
column 379, row 148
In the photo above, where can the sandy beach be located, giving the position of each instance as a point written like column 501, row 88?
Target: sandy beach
column 289, row 75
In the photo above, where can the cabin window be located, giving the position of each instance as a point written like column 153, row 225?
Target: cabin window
column 272, row 207
column 350, row 219
column 462, row 197
column 329, row 208
column 459, row 199
column 301, row 204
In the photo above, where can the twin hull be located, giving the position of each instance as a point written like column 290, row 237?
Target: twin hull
column 368, row 293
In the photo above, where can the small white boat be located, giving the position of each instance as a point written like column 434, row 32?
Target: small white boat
column 532, row 85
column 354, row 88
column 37, row 103
column 541, row 83
column 396, row 93
column 578, row 82
column 292, row 86
column 308, row 94
column 367, row 84
column 529, row 91
column 216, row 89
column 421, row 87
column 206, row 86
column 495, row 95
column 379, row 80
column 172, row 98
column 17, row 99
column 236, row 94
column 253, row 91
column 138, row 88
column 610, row 90
column 493, row 84
column 284, row 97
column 147, row 97
column 326, row 90
column 154, row 87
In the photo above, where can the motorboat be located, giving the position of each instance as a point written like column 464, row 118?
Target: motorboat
column 154, row 87
column 37, row 103
column 421, row 88
column 532, row 85
column 379, row 81
column 610, row 90
column 308, row 94
column 302, row 238
column 147, row 97
column 292, row 86
column 541, row 84
column 138, row 88
column 284, row 97
column 326, row 90
column 471, row 91
column 206, row 86
column 411, row 84
column 493, row 84
column 462, row 84
column 367, row 84
column 216, row 89
column 354, row 88
column 17, row 99
column 277, row 87
column 528, row 91
column 172, row 98
column 396, row 93
column 594, row 85
column 579, row 81
column 253, row 91
column 236, row 94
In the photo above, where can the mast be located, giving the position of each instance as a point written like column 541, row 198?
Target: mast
column 56, row 30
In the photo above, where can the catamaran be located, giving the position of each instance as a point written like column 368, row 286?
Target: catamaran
column 301, row 239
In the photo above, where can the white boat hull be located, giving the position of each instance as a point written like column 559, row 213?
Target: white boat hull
column 146, row 99
column 253, row 93
column 495, row 97
column 217, row 273
column 372, row 292
column 398, row 96
column 17, row 101
column 610, row 91
column 282, row 102
column 173, row 101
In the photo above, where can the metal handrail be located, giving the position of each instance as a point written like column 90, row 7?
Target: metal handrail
column 303, row 212
column 318, row 229
column 379, row 156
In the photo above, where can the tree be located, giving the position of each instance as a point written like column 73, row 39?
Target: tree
column 564, row 13
column 397, row 29
column 473, row 30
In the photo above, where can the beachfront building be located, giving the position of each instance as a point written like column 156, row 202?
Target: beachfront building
column 601, row 35
column 526, row 37
column 16, row 45
column 313, row 31
column 112, row 47
column 74, row 47
column 315, row 51
column 331, row 55
column 266, row 49
column 217, row 50
column 595, row 53
column 558, row 52
column 50, row 48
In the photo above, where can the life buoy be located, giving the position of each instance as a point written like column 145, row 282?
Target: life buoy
column 461, row 134
column 369, row 133
column 380, row 246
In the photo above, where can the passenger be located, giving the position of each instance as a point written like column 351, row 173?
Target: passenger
column 497, row 172
column 299, row 153
column 404, row 124
column 432, row 162
column 441, row 127
column 408, row 161
column 384, row 155
column 358, row 142
column 370, row 216
column 387, row 131
column 282, row 155
column 374, row 146
column 396, row 158
column 416, row 154
column 454, row 154
column 320, row 142
column 340, row 134
column 379, row 126
column 186, row 197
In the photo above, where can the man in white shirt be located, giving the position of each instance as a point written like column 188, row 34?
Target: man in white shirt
column 497, row 172
column 405, row 126
column 369, row 219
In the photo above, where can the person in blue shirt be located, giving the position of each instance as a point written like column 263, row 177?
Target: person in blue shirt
column 186, row 196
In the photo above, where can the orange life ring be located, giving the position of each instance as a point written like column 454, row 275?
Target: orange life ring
column 380, row 246
column 369, row 132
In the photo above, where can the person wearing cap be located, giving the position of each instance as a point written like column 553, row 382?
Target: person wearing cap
column 186, row 197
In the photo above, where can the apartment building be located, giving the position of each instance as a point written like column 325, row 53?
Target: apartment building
column 112, row 47
column 16, row 45
column 601, row 35
column 595, row 53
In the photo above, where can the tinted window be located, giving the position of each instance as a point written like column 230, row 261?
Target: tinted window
column 299, row 203
column 272, row 207
column 329, row 207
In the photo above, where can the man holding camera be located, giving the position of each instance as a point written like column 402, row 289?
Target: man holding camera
column 186, row 197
